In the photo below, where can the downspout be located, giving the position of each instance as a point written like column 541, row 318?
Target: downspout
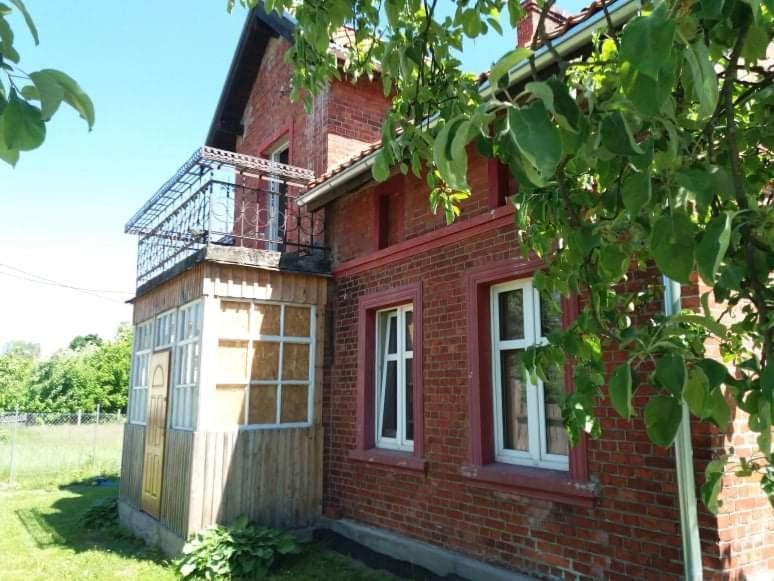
column 686, row 486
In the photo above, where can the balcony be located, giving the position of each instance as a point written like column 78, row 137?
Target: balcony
column 229, row 206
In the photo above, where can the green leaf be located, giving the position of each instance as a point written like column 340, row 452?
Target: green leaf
column 647, row 41
column 755, row 44
column 662, row 419
column 617, row 138
column 454, row 174
column 567, row 110
column 10, row 156
column 719, row 411
column 621, row 391
column 715, row 371
column 712, row 247
column 381, row 167
column 22, row 126
column 647, row 94
column 636, row 191
column 73, row 95
column 50, row 93
column 710, row 491
column 613, row 261
column 672, row 245
column 536, row 137
column 704, row 321
column 506, row 63
column 705, row 80
column 696, row 393
column 671, row 372
column 767, row 378
column 27, row 19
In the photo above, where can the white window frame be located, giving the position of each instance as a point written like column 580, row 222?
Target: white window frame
column 274, row 188
column 185, row 393
column 166, row 323
column 400, row 441
column 537, row 454
column 251, row 338
column 139, row 376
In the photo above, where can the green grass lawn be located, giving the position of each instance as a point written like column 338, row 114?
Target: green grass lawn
column 44, row 455
column 42, row 538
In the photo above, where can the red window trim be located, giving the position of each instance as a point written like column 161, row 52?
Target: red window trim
column 365, row 450
column 281, row 134
column 570, row 487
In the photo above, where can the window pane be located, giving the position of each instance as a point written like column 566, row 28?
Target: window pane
column 556, row 437
column 514, row 401
column 234, row 319
column 265, row 361
column 232, row 362
column 295, row 403
column 550, row 317
column 409, row 400
column 295, row 361
column 511, row 305
column 297, row 321
column 409, row 331
column 390, row 401
column 392, row 341
column 267, row 319
column 229, row 405
column 263, row 404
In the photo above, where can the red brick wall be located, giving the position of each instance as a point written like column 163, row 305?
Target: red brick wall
column 631, row 533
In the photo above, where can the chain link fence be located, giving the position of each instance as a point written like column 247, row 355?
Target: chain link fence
column 39, row 449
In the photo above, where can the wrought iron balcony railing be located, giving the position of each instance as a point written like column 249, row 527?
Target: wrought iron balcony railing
column 204, row 206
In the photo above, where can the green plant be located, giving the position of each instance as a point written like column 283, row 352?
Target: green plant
column 240, row 550
column 101, row 514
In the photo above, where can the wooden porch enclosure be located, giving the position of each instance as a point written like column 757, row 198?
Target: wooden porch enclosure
column 217, row 469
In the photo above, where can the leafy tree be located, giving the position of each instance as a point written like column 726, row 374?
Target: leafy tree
column 83, row 341
column 650, row 155
column 29, row 100
column 16, row 366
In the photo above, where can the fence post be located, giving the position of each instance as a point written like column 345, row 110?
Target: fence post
column 94, row 450
column 79, row 417
column 13, row 446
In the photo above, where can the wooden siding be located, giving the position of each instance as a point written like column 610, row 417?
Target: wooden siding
column 130, row 487
column 176, row 482
column 273, row 476
column 184, row 288
column 242, row 282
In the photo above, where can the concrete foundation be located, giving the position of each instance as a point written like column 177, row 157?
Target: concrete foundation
column 150, row 530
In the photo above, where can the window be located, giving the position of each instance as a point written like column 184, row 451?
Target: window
column 164, row 335
column 394, row 378
column 265, row 368
column 528, row 421
column 186, row 359
column 517, row 439
column 138, row 398
column 389, row 412
column 277, row 200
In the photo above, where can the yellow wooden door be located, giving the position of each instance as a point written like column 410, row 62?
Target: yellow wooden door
column 155, row 429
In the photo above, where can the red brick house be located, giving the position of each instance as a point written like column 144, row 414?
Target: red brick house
column 422, row 439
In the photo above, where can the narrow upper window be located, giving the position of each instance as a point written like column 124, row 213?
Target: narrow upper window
column 277, row 200
column 138, row 396
column 528, row 421
column 186, row 362
column 394, row 378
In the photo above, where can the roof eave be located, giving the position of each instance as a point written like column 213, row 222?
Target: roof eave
column 570, row 42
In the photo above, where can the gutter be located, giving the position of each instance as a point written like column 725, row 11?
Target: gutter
column 620, row 11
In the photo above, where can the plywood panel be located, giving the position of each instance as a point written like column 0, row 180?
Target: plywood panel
column 295, row 403
column 267, row 319
column 297, row 321
column 231, row 366
column 263, row 404
column 295, row 361
column 234, row 319
column 265, row 365
column 229, row 405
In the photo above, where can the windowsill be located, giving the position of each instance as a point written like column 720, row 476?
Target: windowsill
column 541, row 483
column 390, row 458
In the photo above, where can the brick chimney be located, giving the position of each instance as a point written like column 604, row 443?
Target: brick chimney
column 526, row 28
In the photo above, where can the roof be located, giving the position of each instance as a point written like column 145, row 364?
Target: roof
column 258, row 29
column 569, row 32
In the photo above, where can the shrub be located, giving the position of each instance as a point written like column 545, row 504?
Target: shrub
column 240, row 550
column 102, row 514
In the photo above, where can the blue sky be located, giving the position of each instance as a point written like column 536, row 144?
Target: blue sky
column 154, row 70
